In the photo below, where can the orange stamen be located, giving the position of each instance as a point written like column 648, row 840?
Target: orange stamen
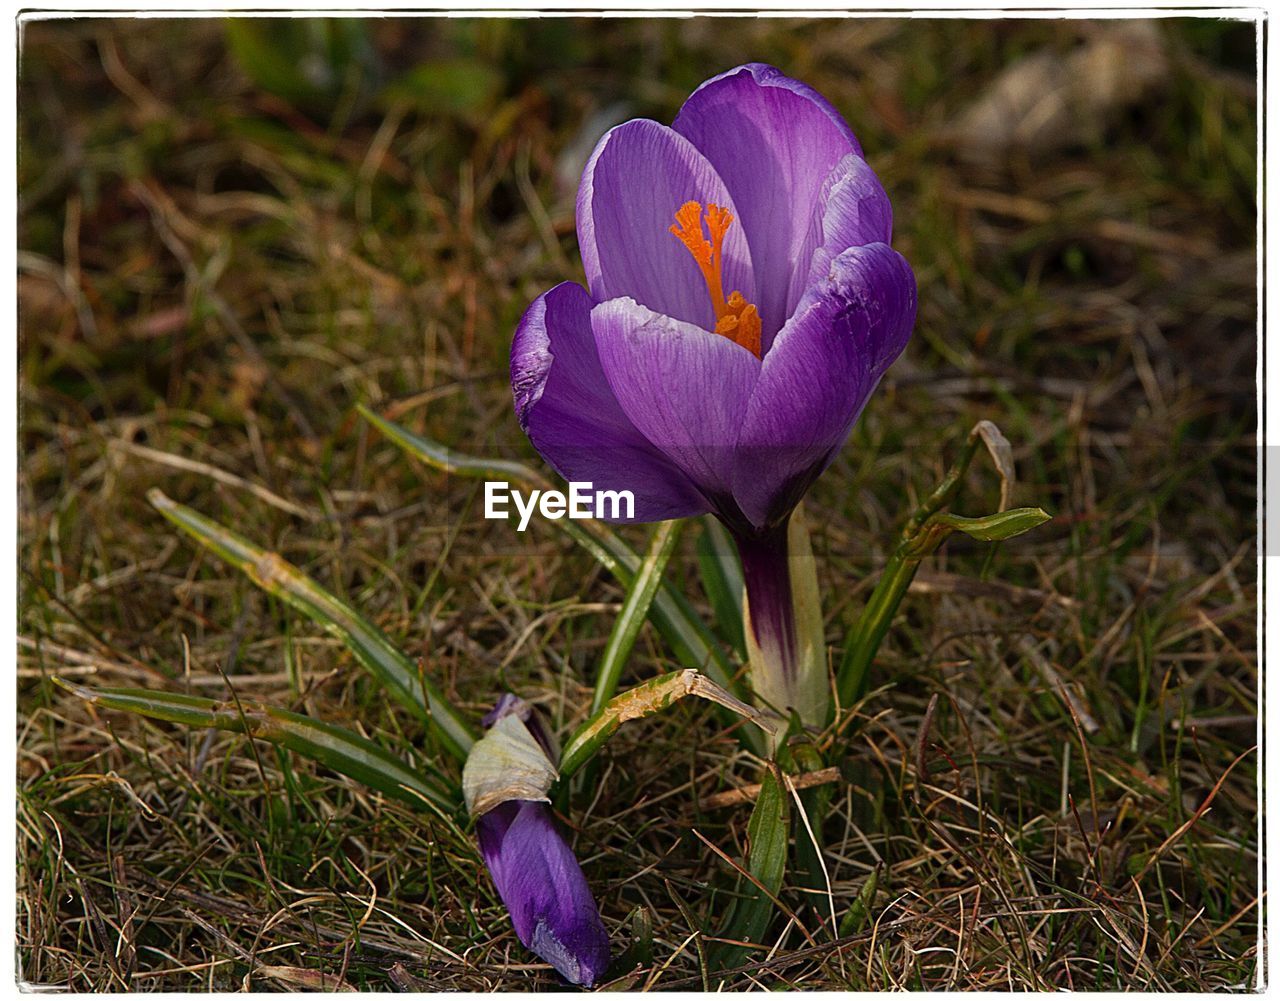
column 741, row 323
column 736, row 318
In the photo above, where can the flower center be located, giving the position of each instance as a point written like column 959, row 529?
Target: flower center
column 736, row 318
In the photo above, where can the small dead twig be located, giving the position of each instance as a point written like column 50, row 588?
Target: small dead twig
column 940, row 582
column 218, row 475
column 748, row 793
column 126, row 952
column 1201, row 810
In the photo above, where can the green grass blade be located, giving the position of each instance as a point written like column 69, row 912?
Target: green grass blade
column 691, row 641
column 635, row 609
column 721, row 574
column 872, row 626
column 383, row 659
column 338, row 749
column 448, row 460
column 688, row 636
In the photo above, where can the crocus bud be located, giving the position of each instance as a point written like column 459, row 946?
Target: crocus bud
column 505, row 782
column 541, row 883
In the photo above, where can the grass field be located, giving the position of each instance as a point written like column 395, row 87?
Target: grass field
column 229, row 238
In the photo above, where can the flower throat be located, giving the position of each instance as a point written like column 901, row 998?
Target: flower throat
column 736, row 318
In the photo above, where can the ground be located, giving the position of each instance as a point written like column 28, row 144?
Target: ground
column 230, row 234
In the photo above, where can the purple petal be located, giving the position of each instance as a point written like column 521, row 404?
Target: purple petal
column 565, row 406
column 814, row 382
column 541, row 883
column 507, row 705
column 683, row 387
column 639, row 175
column 774, row 141
column 853, row 211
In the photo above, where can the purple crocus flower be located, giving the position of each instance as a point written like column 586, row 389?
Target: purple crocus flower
column 720, row 370
column 531, row 863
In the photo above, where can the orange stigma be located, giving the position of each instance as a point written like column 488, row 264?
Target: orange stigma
column 736, row 318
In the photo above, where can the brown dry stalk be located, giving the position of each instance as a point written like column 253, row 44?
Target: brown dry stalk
column 748, row 793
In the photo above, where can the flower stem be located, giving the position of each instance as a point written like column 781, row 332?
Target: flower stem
column 782, row 621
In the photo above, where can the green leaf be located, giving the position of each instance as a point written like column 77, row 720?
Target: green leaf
column 721, row 574
column 688, row 636
column 856, row 916
column 815, row 804
column 992, row 528
column 767, row 831
column 641, row 947
column 635, row 609
column 338, row 749
column 389, row 665
column 645, row 699
column 995, row 527
column 767, row 834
